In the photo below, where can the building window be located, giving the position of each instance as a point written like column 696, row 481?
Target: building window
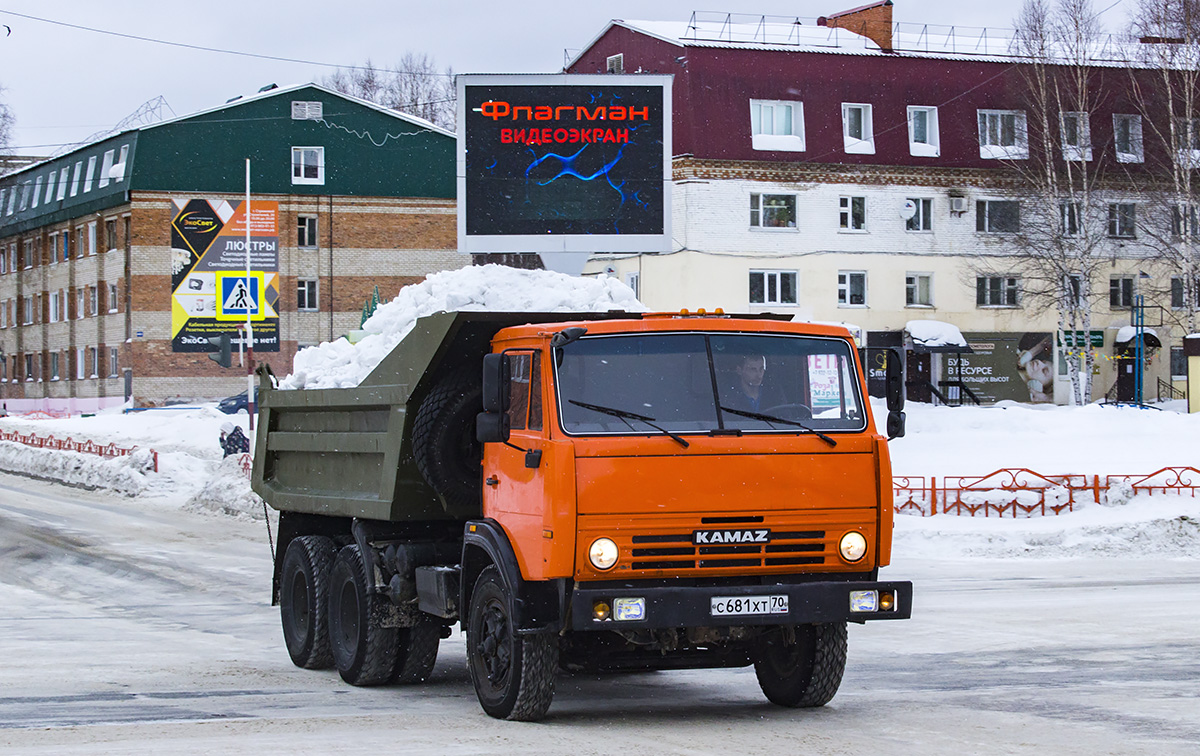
column 308, row 165
column 1074, row 286
column 118, row 171
column 852, row 288
column 75, row 176
column 306, row 231
column 112, row 297
column 923, row 138
column 54, row 376
column 66, row 245
column 62, row 183
column 93, row 294
column 91, row 238
column 1179, row 364
column 80, row 246
column 1120, row 292
column 306, row 294
column 773, row 211
column 12, row 200
column 1179, row 296
column 1122, row 220
column 615, row 64
column 3, row 369
column 37, row 190
column 997, row 216
column 90, row 175
column 106, row 167
column 1076, row 136
column 1183, row 222
column 3, row 313
column 776, row 125
column 1002, row 134
column 307, row 110
column 79, row 304
column 79, row 364
column 858, row 133
column 918, row 290
column 996, row 291
column 1187, row 140
column 28, row 314
column 27, row 254
column 28, row 366
column 114, row 363
column 3, row 261
column 1069, row 214
column 110, row 234
column 852, row 213
column 773, row 287
column 922, row 217
column 94, row 361
column 50, row 186
column 1127, row 136
column 634, row 281
column 54, row 306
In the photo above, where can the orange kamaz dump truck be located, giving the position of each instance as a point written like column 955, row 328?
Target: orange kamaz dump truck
column 595, row 491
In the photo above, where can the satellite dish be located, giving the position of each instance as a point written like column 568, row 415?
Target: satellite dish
column 908, row 210
column 610, row 271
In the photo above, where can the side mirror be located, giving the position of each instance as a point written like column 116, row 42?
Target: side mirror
column 895, row 385
column 491, row 427
column 497, row 374
column 895, row 425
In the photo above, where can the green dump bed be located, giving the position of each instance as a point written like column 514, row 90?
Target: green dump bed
column 348, row 452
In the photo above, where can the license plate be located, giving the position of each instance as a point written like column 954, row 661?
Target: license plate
column 728, row 606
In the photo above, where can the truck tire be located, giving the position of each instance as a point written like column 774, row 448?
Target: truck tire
column 802, row 666
column 443, row 438
column 416, row 652
column 513, row 674
column 364, row 651
column 303, row 600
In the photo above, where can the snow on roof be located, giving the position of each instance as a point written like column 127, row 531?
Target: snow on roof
column 340, row 364
column 1127, row 333
column 934, row 333
column 795, row 34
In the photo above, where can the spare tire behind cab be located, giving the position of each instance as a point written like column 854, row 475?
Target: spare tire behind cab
column 443, row 438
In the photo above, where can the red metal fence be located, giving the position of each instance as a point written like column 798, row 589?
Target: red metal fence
column 1018, row 492
column 108, row 451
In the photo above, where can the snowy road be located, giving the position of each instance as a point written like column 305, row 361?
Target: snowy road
column 129, row 626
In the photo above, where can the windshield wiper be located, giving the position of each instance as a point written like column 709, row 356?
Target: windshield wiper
column 627, row 415
column 772, row 419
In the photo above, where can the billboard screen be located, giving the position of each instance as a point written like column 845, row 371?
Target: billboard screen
column 210, row 292
column 553, row 163
column 1014, row 366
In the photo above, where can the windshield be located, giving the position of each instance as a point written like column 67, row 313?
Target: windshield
column 701, row 382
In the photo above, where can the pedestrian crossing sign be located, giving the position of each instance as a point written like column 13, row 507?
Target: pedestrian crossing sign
column 238, row 296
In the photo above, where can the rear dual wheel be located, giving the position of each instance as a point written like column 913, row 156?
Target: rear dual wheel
column 303, row 600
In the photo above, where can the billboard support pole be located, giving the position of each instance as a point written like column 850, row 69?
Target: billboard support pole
column 249, row 339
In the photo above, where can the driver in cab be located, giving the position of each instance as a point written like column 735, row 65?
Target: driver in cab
column 747, row 391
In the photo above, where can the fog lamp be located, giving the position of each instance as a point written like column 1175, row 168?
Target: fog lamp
column 603, row 553
column 864, row 601
column 853, row 546
column 600, row 611
column 887, row 601
column 629, row 609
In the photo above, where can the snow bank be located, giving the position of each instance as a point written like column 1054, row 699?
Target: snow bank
column 126, row 475
column 228, row 492
column 340, row 364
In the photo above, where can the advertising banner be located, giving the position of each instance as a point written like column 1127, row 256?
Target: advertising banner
column 564, row 163
column 211, row 294
column 1014, row 366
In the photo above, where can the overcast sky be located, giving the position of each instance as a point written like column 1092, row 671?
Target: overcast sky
column 64, row 84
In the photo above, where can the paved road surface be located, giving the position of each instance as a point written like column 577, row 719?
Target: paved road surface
column 133, row 627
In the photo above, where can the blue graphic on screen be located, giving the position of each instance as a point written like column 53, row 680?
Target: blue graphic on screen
column 591, row 177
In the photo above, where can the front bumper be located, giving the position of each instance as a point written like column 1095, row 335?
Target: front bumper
column 691, row 606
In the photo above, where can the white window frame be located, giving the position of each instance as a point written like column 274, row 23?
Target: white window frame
column 90, row 176
column 119, row 174
column 864, row 143
column 775, row 277
column 112, row 297
column 114, row 362
column 3, row 313
column 1177, row 350
column 91, row 238
column 315, row 288
column 28, row 262
column 1187, row 141
column 845, row 288
column 55, row 307
column 1124, row 286
column 846, row 214
column 94, row 355
column 1009, row 288
column 302, row 166
column 80, row 367
column 633, row 280
column 1081, row 148
column 1069, row 218
column 1122, row 223
column 912, row 288
column 27, row 315
column 307, row 221
column 758, row 206
column 771, row 138
column 50, row 179
column 987, row 215
column 1135, row 138
column 76, row 176
column 932, row 146
column 37, row 190
column 615, row 64
column 63, row 176
column 106, row 168
column 93, row 294
column 992, row 142
column 54, row 366
column 80, row 304
column 923, row 218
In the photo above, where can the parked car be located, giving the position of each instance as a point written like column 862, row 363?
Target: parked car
column 231, row 405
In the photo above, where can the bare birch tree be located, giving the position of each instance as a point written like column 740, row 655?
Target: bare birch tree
column 414, row 86
column 1057, row 248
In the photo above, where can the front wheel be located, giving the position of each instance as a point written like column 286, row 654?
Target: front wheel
column 513, row 674
column 801, row 666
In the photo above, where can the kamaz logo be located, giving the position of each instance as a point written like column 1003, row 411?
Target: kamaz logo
column 731, row 536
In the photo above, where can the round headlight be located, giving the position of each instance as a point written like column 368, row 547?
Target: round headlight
column 603, row 553
column 853, row 546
